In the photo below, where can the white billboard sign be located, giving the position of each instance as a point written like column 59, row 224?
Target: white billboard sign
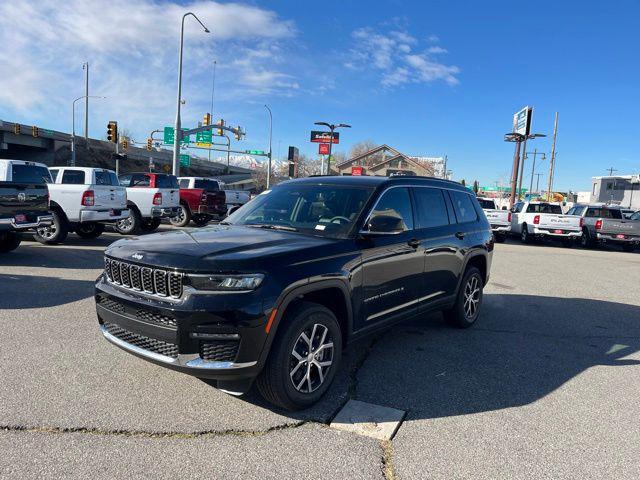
column 522, row 121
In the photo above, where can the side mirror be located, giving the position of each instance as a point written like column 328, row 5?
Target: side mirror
column 384, row 225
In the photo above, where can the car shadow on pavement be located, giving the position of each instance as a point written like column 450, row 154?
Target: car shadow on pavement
column 46, row 291
column 56, row 256
column 522, row 348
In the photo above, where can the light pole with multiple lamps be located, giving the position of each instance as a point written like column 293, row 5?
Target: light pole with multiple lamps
column 73, row 126
column 331, row 128
column 177, row 137
column 270, row 151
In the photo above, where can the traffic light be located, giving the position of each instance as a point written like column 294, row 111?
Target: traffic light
column 207, row 119
column 149, row 144
column 34, row 131
column 112, row 131
column 220, row 124
column 239, row 133
column 125, row 143
column 16, row 128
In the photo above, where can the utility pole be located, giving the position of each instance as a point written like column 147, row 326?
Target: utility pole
column 213, row 89
column 85, row 67
column 538, row 175
column 444, row 172
column 514, row 171
column 552, row 162
column 611, row 170
column 533, row 168
column 270, row 141
column 524, row 156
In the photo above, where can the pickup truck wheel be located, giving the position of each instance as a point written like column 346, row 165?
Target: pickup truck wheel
column 56, row 232
column 150, row 225
column 131, row 224
column 201, row 220
column 585, row 239
column 89, row 230
column 304, row 358
column 183, row 218
column 9, row 241
column 466, row 310
column 525, row 237
column 628, row 247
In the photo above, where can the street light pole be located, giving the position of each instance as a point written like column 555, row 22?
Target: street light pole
column 270, row 151
column 331, row 128
column 73, row 126
column 85, row 67
column 177, row 132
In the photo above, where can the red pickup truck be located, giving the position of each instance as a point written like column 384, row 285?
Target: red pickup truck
column 200, row 201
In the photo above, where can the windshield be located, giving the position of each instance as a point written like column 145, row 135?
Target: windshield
column 323, row 210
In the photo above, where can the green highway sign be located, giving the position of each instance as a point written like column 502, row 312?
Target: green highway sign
column 185, row 160
column 169, row 136
column 254, row 152
column 205, row 136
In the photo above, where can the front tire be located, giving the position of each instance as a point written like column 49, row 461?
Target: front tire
column 89, row 230
column 56, row 232
column 9, row 241
column 131, row 224
column 183, row 218
column 304, row 357
column 466, row 310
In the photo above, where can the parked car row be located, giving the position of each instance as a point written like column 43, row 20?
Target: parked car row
column 53, row 202
column 590, row 225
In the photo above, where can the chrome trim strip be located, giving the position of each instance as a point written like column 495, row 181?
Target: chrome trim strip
column 190, row 360
column 408, row 304
column 42, row 220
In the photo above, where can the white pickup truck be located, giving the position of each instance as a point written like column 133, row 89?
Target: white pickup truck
column 500, row 220
column 233, row 198
column 533, row 220
column 150, row 198
column 82, row 200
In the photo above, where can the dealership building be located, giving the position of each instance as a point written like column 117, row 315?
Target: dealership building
column 623, row 190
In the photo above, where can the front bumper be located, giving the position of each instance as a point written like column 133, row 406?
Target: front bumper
column 87, row 216
column 553, row 232
column 182, row 334
column 165, row 212
column 39, row 221
column 629, row 239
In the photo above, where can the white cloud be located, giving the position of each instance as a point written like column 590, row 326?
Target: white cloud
column 132, row 47
column 391, row 55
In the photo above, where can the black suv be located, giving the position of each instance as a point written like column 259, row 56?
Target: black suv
column 274, row 293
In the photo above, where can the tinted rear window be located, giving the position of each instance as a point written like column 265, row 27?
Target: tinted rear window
column 488, row 204
column 463, row 206
column 29, row 174
column 544, row 208
column 73, row 177
column 166, row 181
column 208, row 185
column 604, row 213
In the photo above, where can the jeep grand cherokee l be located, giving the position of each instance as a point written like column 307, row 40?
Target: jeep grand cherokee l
column 274, row 293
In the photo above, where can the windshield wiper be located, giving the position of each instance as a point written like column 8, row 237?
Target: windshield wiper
column 272, row 227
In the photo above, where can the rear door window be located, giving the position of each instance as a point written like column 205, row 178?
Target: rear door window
column 431, row 208
column 54, row 174
column 32, row 174
column 73, row 177
column 463, row 206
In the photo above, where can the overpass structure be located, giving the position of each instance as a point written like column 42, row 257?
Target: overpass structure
column 53, row 148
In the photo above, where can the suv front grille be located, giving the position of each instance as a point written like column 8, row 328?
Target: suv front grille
column 155, row 281
column 148, row 316
column 151, row 344
column 219, row 351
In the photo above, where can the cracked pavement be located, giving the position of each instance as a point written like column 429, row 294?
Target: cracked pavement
column 544, row 386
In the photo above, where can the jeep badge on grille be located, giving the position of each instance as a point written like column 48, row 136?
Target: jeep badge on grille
column 137, row 256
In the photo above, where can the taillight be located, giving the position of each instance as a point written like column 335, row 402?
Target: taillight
column 88, row 199
column 536, row 220
column 581, row 222
column 157, row 199
column 509, row 217
column 599, row 224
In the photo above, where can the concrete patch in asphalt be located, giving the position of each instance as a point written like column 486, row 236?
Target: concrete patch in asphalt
column 369, row 420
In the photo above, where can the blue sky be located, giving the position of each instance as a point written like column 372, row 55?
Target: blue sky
column 427, row 77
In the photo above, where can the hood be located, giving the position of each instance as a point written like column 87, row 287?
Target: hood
column 222, row 247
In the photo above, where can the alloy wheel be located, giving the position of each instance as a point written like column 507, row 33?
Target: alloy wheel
column 471, row 297
column 311, row 358
column 47, row 232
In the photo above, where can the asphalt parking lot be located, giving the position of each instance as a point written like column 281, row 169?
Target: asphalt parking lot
column 546, row 385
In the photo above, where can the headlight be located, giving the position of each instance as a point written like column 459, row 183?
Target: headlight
column 226, row 282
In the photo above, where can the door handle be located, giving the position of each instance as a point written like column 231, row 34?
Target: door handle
column 460, row 235
column 414, row 242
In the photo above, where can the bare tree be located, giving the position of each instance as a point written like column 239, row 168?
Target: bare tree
column 361, row 147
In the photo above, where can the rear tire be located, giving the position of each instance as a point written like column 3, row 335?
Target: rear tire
column 585, row 240
column 56, row 232
column 89, row 230
column 466, row 310
column 525, row 236
column 9, row 241
column 131, row 224
column 149, row 225
column 295, row 377
column 183, row 218
column 201, row 220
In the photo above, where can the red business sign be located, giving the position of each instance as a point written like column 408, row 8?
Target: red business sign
column 357, row 171
column 324, row 137
column 323, row 149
